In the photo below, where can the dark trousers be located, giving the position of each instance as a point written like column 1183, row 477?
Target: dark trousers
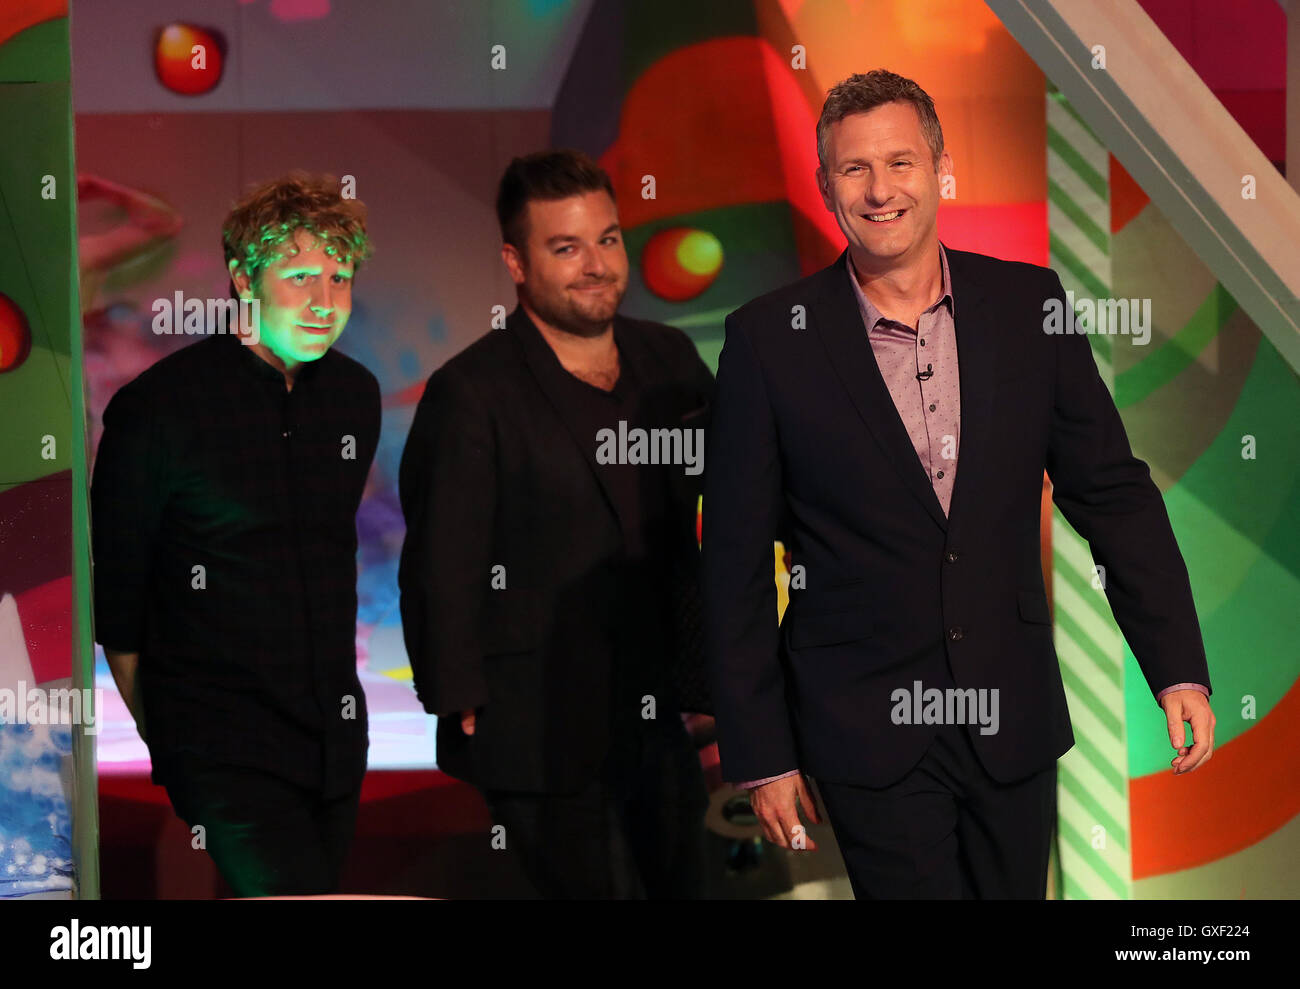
column 637, row 831
column 947, row 830
column 267, row 837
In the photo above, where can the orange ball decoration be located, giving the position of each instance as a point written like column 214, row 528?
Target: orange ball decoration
column 188, row 59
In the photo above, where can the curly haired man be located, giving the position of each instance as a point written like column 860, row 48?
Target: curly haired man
column 224, row 501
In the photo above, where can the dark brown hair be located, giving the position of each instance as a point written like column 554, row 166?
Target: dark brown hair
column 862, row 92
column 544, row 175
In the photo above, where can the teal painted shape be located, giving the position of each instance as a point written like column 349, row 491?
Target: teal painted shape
column 758, row 255
column 655, row 28
column 1235, row 523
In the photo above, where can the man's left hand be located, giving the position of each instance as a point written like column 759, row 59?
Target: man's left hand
column 1194, row 707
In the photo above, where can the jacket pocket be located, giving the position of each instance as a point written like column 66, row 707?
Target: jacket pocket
column 829, row 629
column 1033, row 608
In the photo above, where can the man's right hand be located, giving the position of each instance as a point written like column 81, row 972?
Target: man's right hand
column 777, row 806
column 467, row 721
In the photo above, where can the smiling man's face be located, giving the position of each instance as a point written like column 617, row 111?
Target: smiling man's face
column 305, row 301
column 573, row 271
column 881, row 183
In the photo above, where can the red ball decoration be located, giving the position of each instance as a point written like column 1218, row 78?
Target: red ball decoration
column 188, row 59
column 15, row 335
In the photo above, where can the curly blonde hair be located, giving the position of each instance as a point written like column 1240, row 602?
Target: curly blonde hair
column 260, row 225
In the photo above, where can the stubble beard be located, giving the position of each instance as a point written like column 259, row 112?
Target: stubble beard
column 566, row 314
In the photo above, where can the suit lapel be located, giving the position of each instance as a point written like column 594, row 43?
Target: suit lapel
column 838, row 321
column 977, row 360
column 550, row 376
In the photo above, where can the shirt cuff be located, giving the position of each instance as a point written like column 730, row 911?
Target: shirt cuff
column 1183, row 686
column 771, row 779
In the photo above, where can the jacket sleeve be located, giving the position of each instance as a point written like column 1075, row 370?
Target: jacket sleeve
column 128, row 492
column 447, row 483
column 741, row 511
column 374, row 417
column 703, row 391
column 1108, row 496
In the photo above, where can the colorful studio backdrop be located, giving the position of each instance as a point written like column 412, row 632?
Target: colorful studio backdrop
column 704, row 116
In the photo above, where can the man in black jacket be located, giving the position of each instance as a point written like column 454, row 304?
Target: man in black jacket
column 224, row 501
column 549, row 484
column 901, row 406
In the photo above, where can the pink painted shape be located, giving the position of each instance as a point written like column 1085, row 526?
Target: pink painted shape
column 299, row 10
column 287, row 11
column 794, row 121
column 46, row 615
column 1011, row 231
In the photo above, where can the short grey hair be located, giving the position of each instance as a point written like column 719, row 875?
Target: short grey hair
column 862, row 92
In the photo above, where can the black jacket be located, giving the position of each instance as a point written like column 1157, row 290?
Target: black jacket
column 895, row 592
column 498, row 472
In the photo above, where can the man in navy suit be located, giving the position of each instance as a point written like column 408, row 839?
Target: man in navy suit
column 895, row 413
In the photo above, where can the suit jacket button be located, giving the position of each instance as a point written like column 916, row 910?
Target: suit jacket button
column 955, row 633
column 950, row 557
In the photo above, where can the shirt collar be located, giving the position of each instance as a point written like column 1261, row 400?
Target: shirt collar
column 254, row 365
column 871, row 315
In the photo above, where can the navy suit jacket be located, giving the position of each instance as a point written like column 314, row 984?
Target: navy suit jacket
column 805, row 436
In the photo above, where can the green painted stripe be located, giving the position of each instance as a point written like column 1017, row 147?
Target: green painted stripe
column 1102, row 662
column 1096, row 599
column 1074, row 891
column 1098, row 752
column 1089, row 149
column 1101, row 349
column 1083, row 848
column 1082, row 273
column 1068, row 281
column 1102, row 644
column 1172, row 357
column 1084, row 771
column 1101, row 657
column 1112, row 775
column 1080, row 165
column 1077, row 168
column 1059, row 99
column 1108, row 719
column 1068, row 545
column 1068, row 626
column 1087, row 226
column 1080, row 793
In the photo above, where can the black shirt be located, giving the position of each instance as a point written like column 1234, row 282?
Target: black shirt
column 640, row 496
column 637, row 490
column 224, row 543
